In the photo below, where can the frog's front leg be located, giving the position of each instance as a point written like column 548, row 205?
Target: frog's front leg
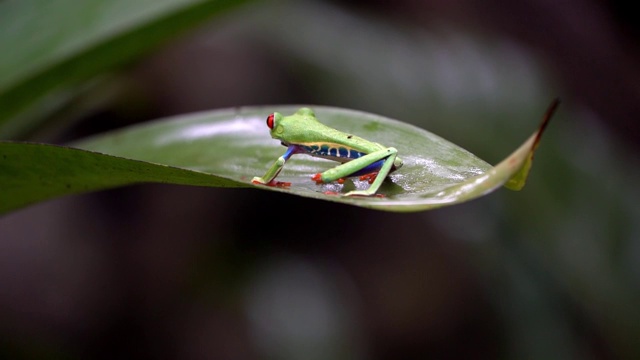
column 388, row 156
column 275, row 169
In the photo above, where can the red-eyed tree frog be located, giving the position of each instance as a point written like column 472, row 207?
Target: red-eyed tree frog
column 302, row 133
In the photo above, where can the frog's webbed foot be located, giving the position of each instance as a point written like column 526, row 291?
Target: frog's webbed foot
column 370, row 178
column 273, row 183
column 318, row 179
column 363, row 193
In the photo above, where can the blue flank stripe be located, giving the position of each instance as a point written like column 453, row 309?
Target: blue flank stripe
column 325, row 150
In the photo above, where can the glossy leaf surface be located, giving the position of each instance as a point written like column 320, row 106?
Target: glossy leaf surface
column 229, row 147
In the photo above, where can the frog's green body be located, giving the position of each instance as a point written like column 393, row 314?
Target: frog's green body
column 302, row 133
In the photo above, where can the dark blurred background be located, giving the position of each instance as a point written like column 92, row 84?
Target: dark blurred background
column 553, row 271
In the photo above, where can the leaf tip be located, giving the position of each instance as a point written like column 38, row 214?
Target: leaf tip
column 517, row 181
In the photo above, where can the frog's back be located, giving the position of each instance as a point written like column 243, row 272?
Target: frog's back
column 336, row 145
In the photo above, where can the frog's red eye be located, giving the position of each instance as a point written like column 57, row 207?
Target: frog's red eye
column 270, row 121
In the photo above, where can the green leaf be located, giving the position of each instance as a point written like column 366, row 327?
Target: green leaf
column 52, row 45
column 226, row 148
column 35, row 172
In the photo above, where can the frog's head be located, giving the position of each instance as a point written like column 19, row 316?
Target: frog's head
column 290, row 128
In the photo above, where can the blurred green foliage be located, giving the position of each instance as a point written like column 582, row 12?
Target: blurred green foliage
column 54, row 47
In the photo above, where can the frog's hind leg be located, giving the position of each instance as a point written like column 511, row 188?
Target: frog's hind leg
column 367, row 173
column 381, row 160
